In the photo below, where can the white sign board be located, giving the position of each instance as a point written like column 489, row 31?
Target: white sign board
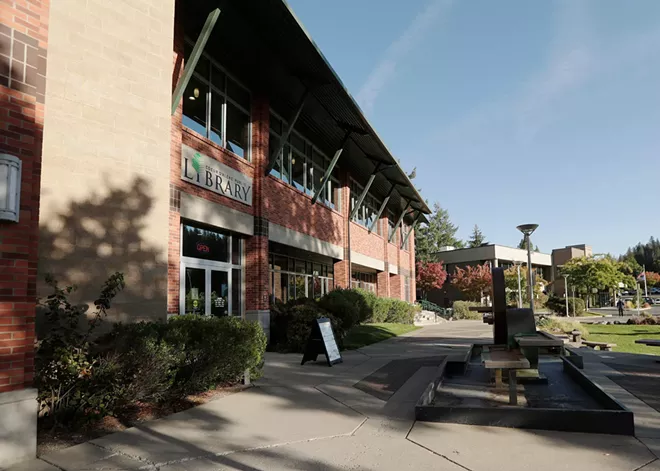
column 208, row 173
column 329, row 341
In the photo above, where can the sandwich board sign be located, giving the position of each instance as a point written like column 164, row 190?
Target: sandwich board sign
column 322, row 341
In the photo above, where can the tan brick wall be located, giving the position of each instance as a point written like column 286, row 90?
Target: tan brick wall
column 106, row 160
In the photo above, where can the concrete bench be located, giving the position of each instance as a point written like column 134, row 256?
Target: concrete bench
column 499, row 360
column 604, row 346
column 577, row 336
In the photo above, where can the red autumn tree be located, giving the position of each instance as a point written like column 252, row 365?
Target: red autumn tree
column 429, row 276
column 652, row 278
column 473, row 281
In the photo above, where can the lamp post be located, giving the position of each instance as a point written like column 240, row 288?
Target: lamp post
column 527, row 230
column 566, row 294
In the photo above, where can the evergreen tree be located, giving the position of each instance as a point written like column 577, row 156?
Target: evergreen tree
column 477, row 238
column 438, row 233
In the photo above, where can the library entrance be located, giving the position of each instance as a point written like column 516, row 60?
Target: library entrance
column 211, row 274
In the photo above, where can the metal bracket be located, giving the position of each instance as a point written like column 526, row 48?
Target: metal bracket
column 398, row 223
column 382, row 207
column 196, row 53
column 419, row 214
column 331, row 167
column 274, row 154
column 364, row 192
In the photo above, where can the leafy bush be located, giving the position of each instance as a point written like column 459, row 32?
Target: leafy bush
column 558, row 305
column 347, row 306
column 402, row 312
column 462, row 310
column 69, row 379
column 147, row 361
column 561, row 326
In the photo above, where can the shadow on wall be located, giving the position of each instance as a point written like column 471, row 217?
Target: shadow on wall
column 89, row 240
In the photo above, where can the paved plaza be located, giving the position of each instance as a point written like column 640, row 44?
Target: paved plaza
column 360, row 415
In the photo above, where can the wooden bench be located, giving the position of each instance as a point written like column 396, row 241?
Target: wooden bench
column 505, row 360
column 577, row 336
column 604, row 346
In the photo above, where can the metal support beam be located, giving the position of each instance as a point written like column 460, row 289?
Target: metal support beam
column 285, row 136
column 331, row 167
column 398, row 223
column 382, row 207
column 405, row 239
column 364, row 192
column 196, row 53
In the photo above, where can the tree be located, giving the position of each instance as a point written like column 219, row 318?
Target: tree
column 645, row 254
column 586, row 273
column 473, row 281
column 511, row 285
column 652, row 278
column 438, row 233
column 523, row 245
column 477, row 238
column 429, row 276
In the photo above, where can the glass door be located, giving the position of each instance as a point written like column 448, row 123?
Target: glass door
column 195, row 290
column 219, row 290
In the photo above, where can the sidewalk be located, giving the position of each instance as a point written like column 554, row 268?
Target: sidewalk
column 355, row 415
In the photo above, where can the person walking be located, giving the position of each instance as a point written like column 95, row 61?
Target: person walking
column 620, row 305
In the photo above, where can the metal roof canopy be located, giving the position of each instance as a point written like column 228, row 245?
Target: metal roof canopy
column 265, row 47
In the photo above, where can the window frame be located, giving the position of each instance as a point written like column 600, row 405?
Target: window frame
column 309, row 166
column 370, row 202
column 211, row 87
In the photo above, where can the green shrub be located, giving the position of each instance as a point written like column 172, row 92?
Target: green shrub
column 462, row 310
column 401, row 312
column 381, row 310
column 561, row 326
column 214, row 350
column 346, row 306
column 558, row 305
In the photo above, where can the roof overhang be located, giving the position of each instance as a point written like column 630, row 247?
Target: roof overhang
column 264, row 45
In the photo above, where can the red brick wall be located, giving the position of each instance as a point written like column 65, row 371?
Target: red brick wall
column 367, row 244
column 23, row 45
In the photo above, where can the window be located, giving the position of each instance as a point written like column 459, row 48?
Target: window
column 217, row 107
column 292, row 278
column 390, row 224
column 366, row 281
column 405, row 240
column 366, row 214
column 302, row 165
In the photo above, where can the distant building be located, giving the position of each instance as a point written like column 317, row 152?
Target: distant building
column 560, row 257
column 495, row 255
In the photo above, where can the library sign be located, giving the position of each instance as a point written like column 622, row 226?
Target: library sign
column 208, row 173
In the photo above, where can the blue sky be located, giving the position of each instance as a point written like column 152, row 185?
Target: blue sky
column 513, row 111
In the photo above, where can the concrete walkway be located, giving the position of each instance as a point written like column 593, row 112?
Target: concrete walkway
column 312, row 417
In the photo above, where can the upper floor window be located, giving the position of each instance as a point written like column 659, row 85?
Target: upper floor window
column 217, row 107
column 366, row 214
column 302, row 165
column 390, row 223
column 405, row 240
column 366, row 281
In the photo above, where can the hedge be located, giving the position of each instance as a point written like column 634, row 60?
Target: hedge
column 462, row 310
column 558, row 305
column 346, row 308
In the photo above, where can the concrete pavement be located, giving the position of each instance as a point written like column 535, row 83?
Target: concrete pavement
column 312, row 417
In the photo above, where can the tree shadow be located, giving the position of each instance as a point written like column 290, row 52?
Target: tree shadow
column 91, row 239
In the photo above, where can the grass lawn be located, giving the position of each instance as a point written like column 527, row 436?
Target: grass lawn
column 366, row 334
column 624, row 337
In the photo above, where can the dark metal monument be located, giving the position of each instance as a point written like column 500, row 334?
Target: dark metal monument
column 545, row 390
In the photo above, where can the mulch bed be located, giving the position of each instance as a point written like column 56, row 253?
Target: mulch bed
column 52, row 439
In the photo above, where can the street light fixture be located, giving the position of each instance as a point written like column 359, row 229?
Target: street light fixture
column 527, row 230
column 517, row 264
column 566, row 294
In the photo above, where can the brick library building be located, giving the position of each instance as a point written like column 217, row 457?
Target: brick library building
column 205, row 149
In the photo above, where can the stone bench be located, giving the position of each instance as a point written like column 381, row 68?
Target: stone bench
column 604, row 346
column 577, row 336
